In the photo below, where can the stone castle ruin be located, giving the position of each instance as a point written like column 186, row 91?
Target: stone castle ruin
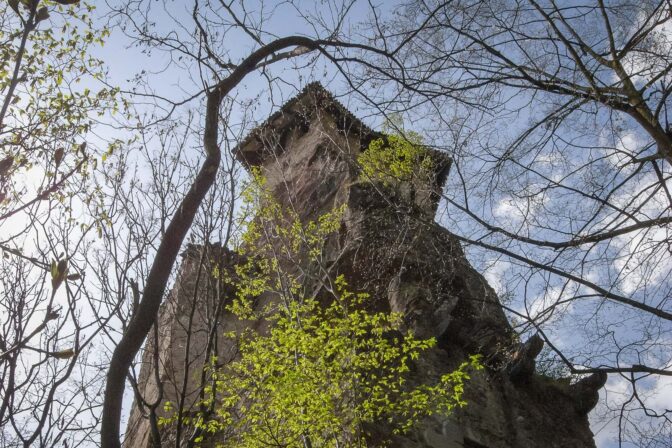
column 390, row 247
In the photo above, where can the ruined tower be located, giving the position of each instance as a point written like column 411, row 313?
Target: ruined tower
column 390, row 247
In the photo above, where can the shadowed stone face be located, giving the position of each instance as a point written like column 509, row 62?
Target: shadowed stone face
column 390, row 247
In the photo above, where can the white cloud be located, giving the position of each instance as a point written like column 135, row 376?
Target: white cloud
column 605, row 417
column 494, row 274
column 619, row 152
column 515, row 211
column 643, row 66
column 639, row 258
column 540, row 305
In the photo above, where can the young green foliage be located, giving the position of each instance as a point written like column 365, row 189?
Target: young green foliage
column 396, row 158
column 322, row 370
column 54, row 96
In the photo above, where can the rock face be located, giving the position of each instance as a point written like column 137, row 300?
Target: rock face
column 390, row 247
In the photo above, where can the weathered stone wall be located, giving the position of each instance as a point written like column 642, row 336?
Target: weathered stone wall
column 390, row 247
column 191, row 317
